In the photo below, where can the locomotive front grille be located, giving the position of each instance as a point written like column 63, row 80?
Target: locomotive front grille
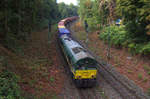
column 85, row 74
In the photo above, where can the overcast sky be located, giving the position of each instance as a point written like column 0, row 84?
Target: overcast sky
column 68, row 1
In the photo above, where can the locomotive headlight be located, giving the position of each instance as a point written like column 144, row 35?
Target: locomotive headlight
column 78, row 77
column 93, row 76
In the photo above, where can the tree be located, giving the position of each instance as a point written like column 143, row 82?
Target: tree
column 136, row 16
column 67, row 10
column 18, row 18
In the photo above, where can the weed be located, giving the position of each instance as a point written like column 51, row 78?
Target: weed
column 135, row 62
column 102, row 93
column 117, row 61
column 147, row 68
column 140, row 76
column 149, row 73
column 93, row 49
column 145, row 80
column 54, row 97
column 32, row 82
column 52, row 79
column 130, row 71
column 117, row 65
column 51, row 95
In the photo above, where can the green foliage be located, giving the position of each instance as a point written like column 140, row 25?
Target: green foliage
column 135, row 48
column 136, row 16
column 67, row 10
column 9, row 88
column 52, row 79
column 139, row 48
column 20, row 17
column 140, row 76
column 117, row 35
column 145, row 80
column 145, row 49
column 147, row 68
column 96, row 12
column 149, row 73
column 88, row 10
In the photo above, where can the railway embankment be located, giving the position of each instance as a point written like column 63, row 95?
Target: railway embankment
column 125, row 86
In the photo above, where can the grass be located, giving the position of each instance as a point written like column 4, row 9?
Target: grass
column 117, row 61
column 148, row 91
column 32, row 82
column 149, row 73
column 81, row 35
column 130, row 71
column 55, row 97
column 92, row 49
column 102, row 93
column 117, row 64
column 51, row 95
column 135, row 62
column 140, row 76
column 52, row 79
column 145, row 80
column 147, row 68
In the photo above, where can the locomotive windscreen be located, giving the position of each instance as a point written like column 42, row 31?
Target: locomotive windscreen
column 87, row 63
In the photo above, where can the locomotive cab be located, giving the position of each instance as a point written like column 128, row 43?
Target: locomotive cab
column 86, row 71
column 81, row 64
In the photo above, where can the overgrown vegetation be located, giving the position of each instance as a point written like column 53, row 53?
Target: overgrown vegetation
column 67, row 10
column 117, row 34
column 9, row 88
column 18, row 20
column 119, row 37
column 135, row 30
column 21, row 17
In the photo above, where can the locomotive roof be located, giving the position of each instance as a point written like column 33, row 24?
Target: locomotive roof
column 77, row 51
column 63, row 30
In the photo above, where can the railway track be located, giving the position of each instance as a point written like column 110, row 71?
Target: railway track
column 125, row 87
column 70, row 90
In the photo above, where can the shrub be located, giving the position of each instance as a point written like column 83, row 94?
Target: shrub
column 117, row 35
column 135, row 48
column 9, row 89
column 146, row 49
column 140, row 76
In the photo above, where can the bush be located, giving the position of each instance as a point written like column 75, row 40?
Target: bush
column 145, row 49
column 120, row 37
column 9, row 88
column 135, row 48
column 117, row 35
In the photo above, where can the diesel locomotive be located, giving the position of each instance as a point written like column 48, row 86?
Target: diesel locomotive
column 82, row 65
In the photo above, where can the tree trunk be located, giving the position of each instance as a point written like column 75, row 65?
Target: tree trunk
column 6, row 19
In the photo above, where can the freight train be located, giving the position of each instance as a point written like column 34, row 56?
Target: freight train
column 82, row 65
